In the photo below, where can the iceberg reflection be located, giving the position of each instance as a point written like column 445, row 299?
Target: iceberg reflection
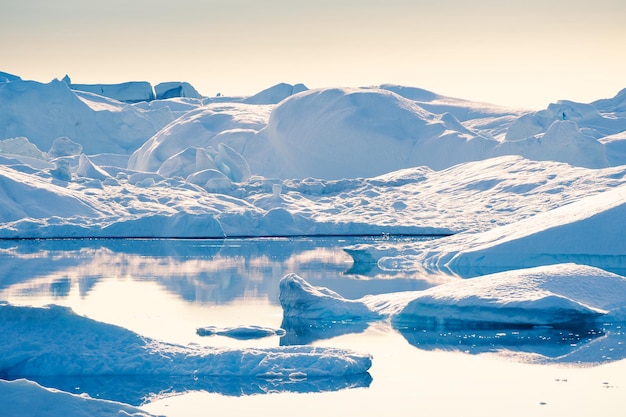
column 138, row 390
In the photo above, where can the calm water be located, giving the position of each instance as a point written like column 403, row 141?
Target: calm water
column 166, row 289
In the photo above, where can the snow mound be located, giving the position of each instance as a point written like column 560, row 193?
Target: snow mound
column 615, row 148
column 60, row 343
column 563, row 141
column 275, row 94
column 615, row 105
column 22, row 196
column 598, row 119
column 557, row 295
column 586, row 227
column 345, row 133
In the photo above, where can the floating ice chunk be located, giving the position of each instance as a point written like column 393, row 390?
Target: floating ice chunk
column 300, row 299
column 552, row 295
column 555, row 295
column 240, row 332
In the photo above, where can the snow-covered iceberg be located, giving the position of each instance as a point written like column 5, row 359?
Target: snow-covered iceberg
column 556, row 295
column 475, row 196
column 57, row 348
column 584, row 231
column 45, row 112
column 54, row 341
column 129, row 92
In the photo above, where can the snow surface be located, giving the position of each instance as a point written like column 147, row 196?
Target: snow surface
column 513, row 188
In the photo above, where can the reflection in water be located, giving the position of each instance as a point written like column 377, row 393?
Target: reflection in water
column 208, row 272
column 137, row 390
column 306, row 331
column 543, row 343
column 586, row 345
column 216, row 271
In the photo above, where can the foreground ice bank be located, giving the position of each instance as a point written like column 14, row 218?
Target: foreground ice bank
column 556, row 295
column 54, row 341
column 26, row 398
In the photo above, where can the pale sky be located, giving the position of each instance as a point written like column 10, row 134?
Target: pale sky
column 524, row 54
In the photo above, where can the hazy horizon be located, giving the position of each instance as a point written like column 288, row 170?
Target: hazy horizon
column 521, row 55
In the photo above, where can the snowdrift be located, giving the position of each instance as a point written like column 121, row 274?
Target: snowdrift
column 275, row 94
column 347, row 133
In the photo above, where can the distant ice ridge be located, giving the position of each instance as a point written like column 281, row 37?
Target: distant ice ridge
column 89, row 199
column 63, row 343
column 288, row 131
column 556, row 295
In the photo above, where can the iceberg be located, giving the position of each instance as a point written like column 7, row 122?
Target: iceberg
column 557, row 295
column 52, row 341
column 129, row 92
column 173, row 89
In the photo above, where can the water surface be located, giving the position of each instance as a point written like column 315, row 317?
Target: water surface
column 166, row 289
